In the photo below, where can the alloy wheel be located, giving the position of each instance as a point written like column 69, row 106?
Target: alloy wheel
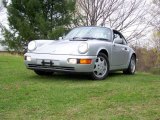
column 100, row 67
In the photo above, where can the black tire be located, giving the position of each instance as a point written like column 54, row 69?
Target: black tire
column 132, row 66
column 101, row 69
column 43, row 73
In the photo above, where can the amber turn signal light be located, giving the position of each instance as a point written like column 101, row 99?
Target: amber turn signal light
column 85, row 61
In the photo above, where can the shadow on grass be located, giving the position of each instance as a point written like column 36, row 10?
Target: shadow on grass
column 116, row 74
column 71, row 77
column 61, row 77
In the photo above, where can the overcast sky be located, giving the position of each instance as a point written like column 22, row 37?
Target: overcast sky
column 3, row 19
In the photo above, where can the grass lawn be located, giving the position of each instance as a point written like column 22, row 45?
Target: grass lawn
column 25, row 95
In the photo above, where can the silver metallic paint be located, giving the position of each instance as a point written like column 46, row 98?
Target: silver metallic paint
column 61, row 50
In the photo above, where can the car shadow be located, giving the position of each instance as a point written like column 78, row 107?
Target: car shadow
column 62, row 77
column 115, row 74
column 71, row 77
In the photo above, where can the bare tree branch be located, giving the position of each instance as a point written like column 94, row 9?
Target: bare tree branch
column 122, row 15
column 155, row 13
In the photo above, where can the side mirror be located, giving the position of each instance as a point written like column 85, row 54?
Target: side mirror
column 118, row 40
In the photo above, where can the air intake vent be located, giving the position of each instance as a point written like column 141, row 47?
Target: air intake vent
column 58, row 68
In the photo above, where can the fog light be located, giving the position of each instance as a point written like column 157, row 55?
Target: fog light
column 72, row 61
column 85, row 61
column 28, row 58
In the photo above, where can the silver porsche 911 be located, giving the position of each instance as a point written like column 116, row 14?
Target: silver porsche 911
column 93, row 50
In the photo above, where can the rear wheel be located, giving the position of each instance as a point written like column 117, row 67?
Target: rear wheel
column 132, row 66
column 101, row 67
column 43, row 73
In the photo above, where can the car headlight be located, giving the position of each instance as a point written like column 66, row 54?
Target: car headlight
column 32, row 46
column 83, row 47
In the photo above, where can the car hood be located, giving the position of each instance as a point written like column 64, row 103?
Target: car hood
column 59, row 47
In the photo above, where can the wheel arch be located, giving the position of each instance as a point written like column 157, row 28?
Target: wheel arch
column 103, row 51
column 133, row 54
column 129, row 58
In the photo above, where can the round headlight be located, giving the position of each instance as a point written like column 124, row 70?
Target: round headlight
column 32, row 45
column 83, row 47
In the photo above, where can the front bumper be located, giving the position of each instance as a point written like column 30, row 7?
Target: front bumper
column 58, row 63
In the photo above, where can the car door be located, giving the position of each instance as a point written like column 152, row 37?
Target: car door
column 126, row 50
column 119, row 52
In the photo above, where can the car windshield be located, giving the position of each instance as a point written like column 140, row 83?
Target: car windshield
column 100, row 33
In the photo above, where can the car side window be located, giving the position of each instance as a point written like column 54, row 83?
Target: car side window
column 116, row 35
column 124, row 41
column 119, row 35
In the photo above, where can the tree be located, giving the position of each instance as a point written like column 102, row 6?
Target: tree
column 37, row 19
column 155, row 13
column 127, row 16
column 1, row 11
column 14, row 42
column 3, row 4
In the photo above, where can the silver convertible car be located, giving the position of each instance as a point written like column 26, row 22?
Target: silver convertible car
column 93, row 50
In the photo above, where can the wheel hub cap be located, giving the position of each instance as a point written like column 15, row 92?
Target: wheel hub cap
column 133, row 65
column 100, row 67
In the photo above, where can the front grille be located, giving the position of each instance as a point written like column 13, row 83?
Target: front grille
column 56, row 68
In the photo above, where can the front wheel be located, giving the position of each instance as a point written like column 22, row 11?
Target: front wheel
column 43, row 73
column 132, row 66
column 101, row 67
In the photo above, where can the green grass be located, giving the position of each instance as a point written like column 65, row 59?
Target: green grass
column 25, row 96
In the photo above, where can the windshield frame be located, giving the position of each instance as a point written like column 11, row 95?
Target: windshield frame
column 73, row 35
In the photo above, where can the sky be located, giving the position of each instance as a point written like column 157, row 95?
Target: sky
column 3, row 20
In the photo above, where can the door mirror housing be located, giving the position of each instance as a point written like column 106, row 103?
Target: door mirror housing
column 118, row 40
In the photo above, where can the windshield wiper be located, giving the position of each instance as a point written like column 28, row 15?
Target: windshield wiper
column 95, row 38
column 102, row 39
column 78, row 39
column 86, row 38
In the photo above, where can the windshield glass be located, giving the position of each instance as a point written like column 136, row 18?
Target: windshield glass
column 89, row 32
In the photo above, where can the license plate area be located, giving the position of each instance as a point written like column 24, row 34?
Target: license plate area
column 47, row 62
